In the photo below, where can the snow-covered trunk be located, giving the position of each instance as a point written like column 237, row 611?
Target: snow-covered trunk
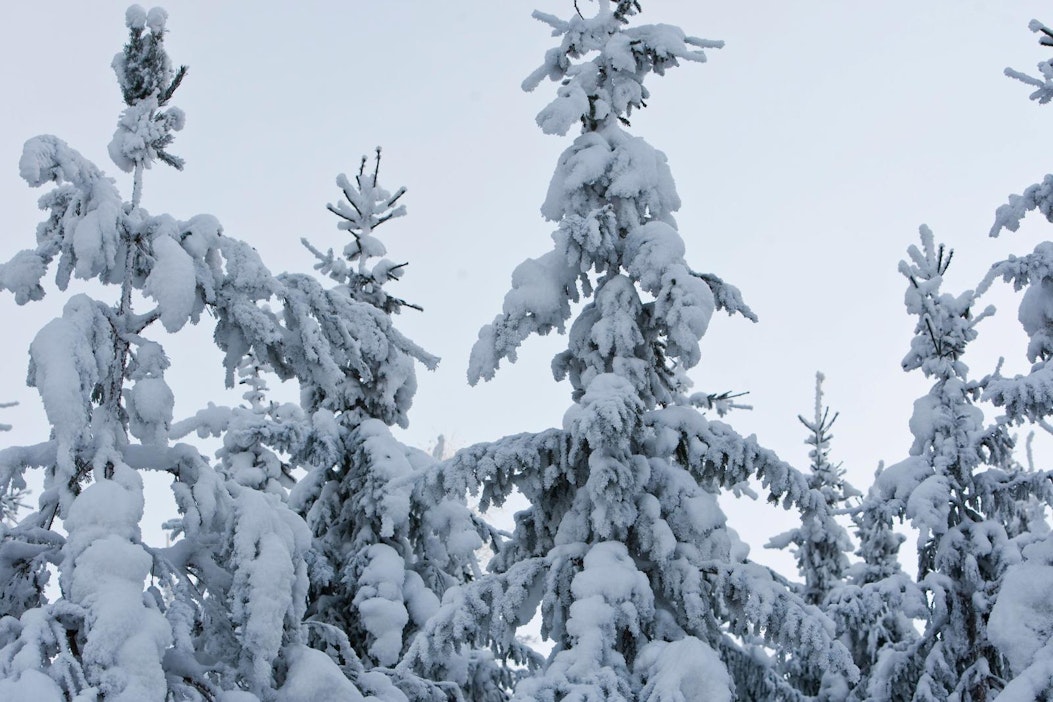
column 137, row 186
column 105, row 566
column 79, row 364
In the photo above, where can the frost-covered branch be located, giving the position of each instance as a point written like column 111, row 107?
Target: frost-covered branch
column 1044, row 85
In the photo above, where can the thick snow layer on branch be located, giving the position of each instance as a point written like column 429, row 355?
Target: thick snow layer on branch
column 31, row 686
column 682, row 671
column 172, row 282
column 1021, row 622
column 313, row 677
column 380, row 602
column 105, row 572
column 95, row 240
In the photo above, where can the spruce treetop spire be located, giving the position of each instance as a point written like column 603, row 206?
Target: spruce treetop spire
column 819, row 427
column 608, row 86
column 366, row 206
column 143, row 68
column 148, row 81
column 613, row 198
column 945, row 322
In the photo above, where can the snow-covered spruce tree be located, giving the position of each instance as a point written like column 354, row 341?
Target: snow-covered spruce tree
column 1021, row 624
column 1029, row 397
column 248, row 546
column 820, row 544
column 875, row 607
column 221, row 618
column 643, row 590
column 385, row 549
column 958, row 487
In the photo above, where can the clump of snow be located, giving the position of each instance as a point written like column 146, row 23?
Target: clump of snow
column 142, row 133
column 1021, row 621
column 104, row 571
column 156, row 19
column 150, row 401
column 96, row 240
column 269, row 586
column 47, row 158
column 30, row 686
column 649, row 250
column 681, row 671
column 68, row 359
column 21, row 275
column 313, row 677
column 380, row 602
column 607, row 413
column 172, row 282
column 135, row 17
column 200, row 234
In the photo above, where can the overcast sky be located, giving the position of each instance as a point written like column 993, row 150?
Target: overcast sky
column 806, row 152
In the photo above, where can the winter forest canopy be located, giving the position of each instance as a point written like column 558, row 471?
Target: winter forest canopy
column 224, row 478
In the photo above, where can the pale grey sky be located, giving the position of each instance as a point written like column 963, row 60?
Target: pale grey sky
column 806, row 152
